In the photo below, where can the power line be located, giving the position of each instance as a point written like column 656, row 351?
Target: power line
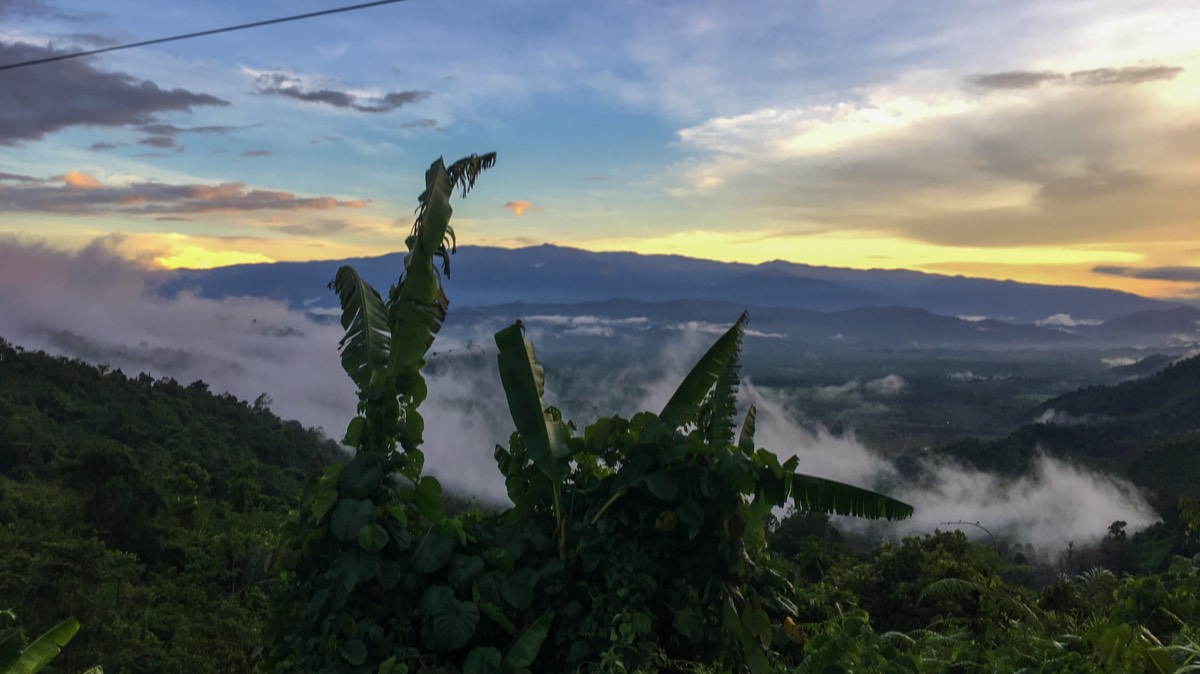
column 227, row 29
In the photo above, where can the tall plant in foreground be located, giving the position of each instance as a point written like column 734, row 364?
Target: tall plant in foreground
column 637, row 545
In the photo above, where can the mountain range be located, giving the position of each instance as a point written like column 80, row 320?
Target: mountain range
column 797, row 301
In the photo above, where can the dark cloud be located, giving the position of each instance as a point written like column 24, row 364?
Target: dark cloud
column 171, row 129
column 1132, row 75
column 425, row 123
column 1175, row 274
column 32, row 9
column 1016, row 79
column 81, row 194
column 257, row 153
column 162, row 142
column 99, row 147
column 289, row 86
column 1025, row 79
column 18, row 178
column 47, row 98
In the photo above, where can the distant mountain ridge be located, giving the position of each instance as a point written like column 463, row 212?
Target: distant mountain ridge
column 549, row 274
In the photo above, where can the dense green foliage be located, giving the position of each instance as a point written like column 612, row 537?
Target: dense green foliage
column 144, row 509
column 639, row 544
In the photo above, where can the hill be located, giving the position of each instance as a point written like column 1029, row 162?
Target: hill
column 548, row 274
column 145, row 508
column 1146, row 430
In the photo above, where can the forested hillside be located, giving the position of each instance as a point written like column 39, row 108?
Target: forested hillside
column 142, row 507
column 1147, row 430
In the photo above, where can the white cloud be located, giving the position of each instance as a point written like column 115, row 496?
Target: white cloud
column 1065, row 321
column 892, row 384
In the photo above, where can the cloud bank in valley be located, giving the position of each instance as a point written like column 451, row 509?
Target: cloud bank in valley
column 1057, row 503
column 97, row 307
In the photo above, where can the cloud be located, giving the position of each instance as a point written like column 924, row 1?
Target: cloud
column 152, row 198
column 1053, row 504
column 288, row 85
column 18, row 178
column 892, row 384
column 80, row 180
column 171, row 129
column 522, row 207
column 100, row 147
column 95, row 306
column 1065, row 321
column 323, row 227
column 38, row 101
column 256, row 153
column 424, row 123
column 1048, row 165
column 162, row 142
column 33, row 9
column 1024, row 79
column 1176, row 274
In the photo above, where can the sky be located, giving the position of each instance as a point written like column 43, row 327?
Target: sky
column 1042, row 141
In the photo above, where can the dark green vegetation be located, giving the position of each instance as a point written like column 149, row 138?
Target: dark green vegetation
column 144, row 509
column 147, row 509
column 637, row 544
column 1146, row 430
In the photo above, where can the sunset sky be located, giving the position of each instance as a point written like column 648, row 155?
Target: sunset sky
column 1053, row 142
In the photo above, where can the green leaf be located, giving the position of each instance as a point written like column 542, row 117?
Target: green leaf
column 830, row 496
column 663, row 484
column 690, row 624
column 349, row 517
column 484, row 660
column 362, row 473
column 684, row 405
column 324, row 500
column 463, row 568
column 45, row 648
column 543, row 436
column 517, row 589
column 372, row 537
column 746, row 437
column 365, row 345
column 451, row 622
column 428, row 496
column 354, row 651
column 525, row 648
column 435, row 551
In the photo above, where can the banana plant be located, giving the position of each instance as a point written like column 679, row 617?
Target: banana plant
column 17, row 657
column 706, row 399
column 386, row 341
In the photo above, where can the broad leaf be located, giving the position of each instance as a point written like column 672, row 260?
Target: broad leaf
column 523, row 651
column 684, row 405
column 44, row 649
column 543, row 436
column 364, row 317
column 450, row 622
column 830, row 496
column 746, row 437
column 485, row 660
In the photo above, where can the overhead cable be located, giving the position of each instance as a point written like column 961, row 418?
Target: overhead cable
column 227, row 29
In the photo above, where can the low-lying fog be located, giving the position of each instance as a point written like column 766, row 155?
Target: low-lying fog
column 101, row 309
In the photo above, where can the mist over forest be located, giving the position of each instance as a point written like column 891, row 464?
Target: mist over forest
column 101, row 309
